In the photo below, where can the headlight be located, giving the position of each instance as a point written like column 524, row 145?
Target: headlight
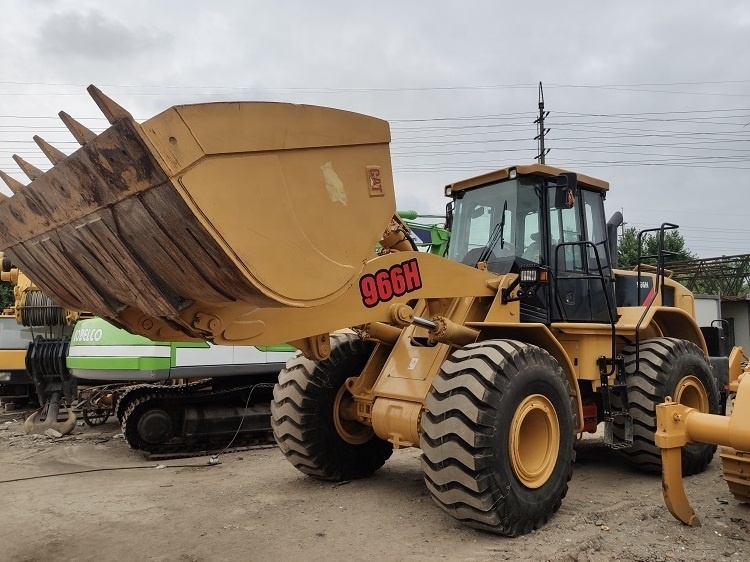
column 532, row 275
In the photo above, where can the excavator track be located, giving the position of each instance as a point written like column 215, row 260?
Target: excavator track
column 130, row 393
column 173, row 422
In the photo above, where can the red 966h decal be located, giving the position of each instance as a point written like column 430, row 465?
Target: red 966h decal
column 396, row 281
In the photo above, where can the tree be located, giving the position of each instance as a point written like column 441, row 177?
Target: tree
column 6, row 295
column 627, row 248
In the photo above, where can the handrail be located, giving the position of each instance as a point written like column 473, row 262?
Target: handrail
column 660, row 277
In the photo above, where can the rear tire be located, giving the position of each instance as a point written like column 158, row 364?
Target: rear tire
column 668, row 367
column 497, row 436
column 305, row 423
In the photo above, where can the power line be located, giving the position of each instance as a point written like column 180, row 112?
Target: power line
column 516, row 115
column 448, row 87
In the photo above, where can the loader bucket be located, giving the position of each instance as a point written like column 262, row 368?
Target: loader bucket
column 201, row 207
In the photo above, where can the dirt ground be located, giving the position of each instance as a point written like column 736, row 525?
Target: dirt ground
column 255, row 506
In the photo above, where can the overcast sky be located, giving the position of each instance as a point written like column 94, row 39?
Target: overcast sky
column 653, row 97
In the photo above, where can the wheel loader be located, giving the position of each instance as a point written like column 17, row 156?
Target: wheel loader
column 253, row 223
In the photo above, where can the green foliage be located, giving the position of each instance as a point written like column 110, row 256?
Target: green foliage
column 627, row 248
column 6, row 295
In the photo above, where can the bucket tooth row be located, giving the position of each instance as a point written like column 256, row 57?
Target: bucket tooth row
column 111, row 110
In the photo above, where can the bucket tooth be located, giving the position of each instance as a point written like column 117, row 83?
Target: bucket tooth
column 31, row 171
column 53, row 155
column 112, row 111
column 12, row 183
column 79, row 132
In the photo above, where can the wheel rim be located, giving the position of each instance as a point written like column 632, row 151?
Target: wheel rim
column 691, row 393
column 344, row 418
column 534, row 441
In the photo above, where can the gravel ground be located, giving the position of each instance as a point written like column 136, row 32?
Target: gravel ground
column 255, row 506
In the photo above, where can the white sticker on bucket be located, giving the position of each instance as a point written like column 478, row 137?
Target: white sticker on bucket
column 334, row 185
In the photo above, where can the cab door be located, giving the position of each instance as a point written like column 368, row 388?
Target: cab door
column 581, row 285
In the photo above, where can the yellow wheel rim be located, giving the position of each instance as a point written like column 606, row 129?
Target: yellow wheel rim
column 691, row 393
column 534, row 441
column 345, row 420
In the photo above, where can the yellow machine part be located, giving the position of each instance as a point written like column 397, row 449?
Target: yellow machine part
column 32, row 307
column 203, row 206
column 678, row 424
column 735, row 466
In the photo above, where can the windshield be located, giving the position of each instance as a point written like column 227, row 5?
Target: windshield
column 499, row 220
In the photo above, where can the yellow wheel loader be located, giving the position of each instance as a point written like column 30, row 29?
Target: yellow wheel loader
column 253, row 223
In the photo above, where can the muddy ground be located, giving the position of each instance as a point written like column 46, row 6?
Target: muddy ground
column 255, row 506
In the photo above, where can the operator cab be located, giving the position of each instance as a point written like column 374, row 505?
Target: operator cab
column 538, row 217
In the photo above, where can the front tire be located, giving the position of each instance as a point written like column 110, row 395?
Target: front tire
column 305, row 415
column 668, row 367
column 497, row 436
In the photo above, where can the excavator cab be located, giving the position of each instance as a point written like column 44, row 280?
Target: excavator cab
column 523, row 219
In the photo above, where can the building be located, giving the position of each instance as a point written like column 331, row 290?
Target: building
column 736, row 311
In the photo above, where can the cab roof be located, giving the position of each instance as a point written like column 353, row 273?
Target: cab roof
column 526, row 170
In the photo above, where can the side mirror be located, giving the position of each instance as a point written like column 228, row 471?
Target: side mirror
column 565, row 198
column 449, row 215
column 568, row 179
column 566, row 189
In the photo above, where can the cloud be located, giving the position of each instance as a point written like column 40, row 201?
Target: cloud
column 650, row 96
column 93, row 36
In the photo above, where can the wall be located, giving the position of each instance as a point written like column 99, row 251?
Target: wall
column 707, row 309
column 739, row 312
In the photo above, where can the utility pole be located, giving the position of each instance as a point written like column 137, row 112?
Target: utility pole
column 540, row 127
